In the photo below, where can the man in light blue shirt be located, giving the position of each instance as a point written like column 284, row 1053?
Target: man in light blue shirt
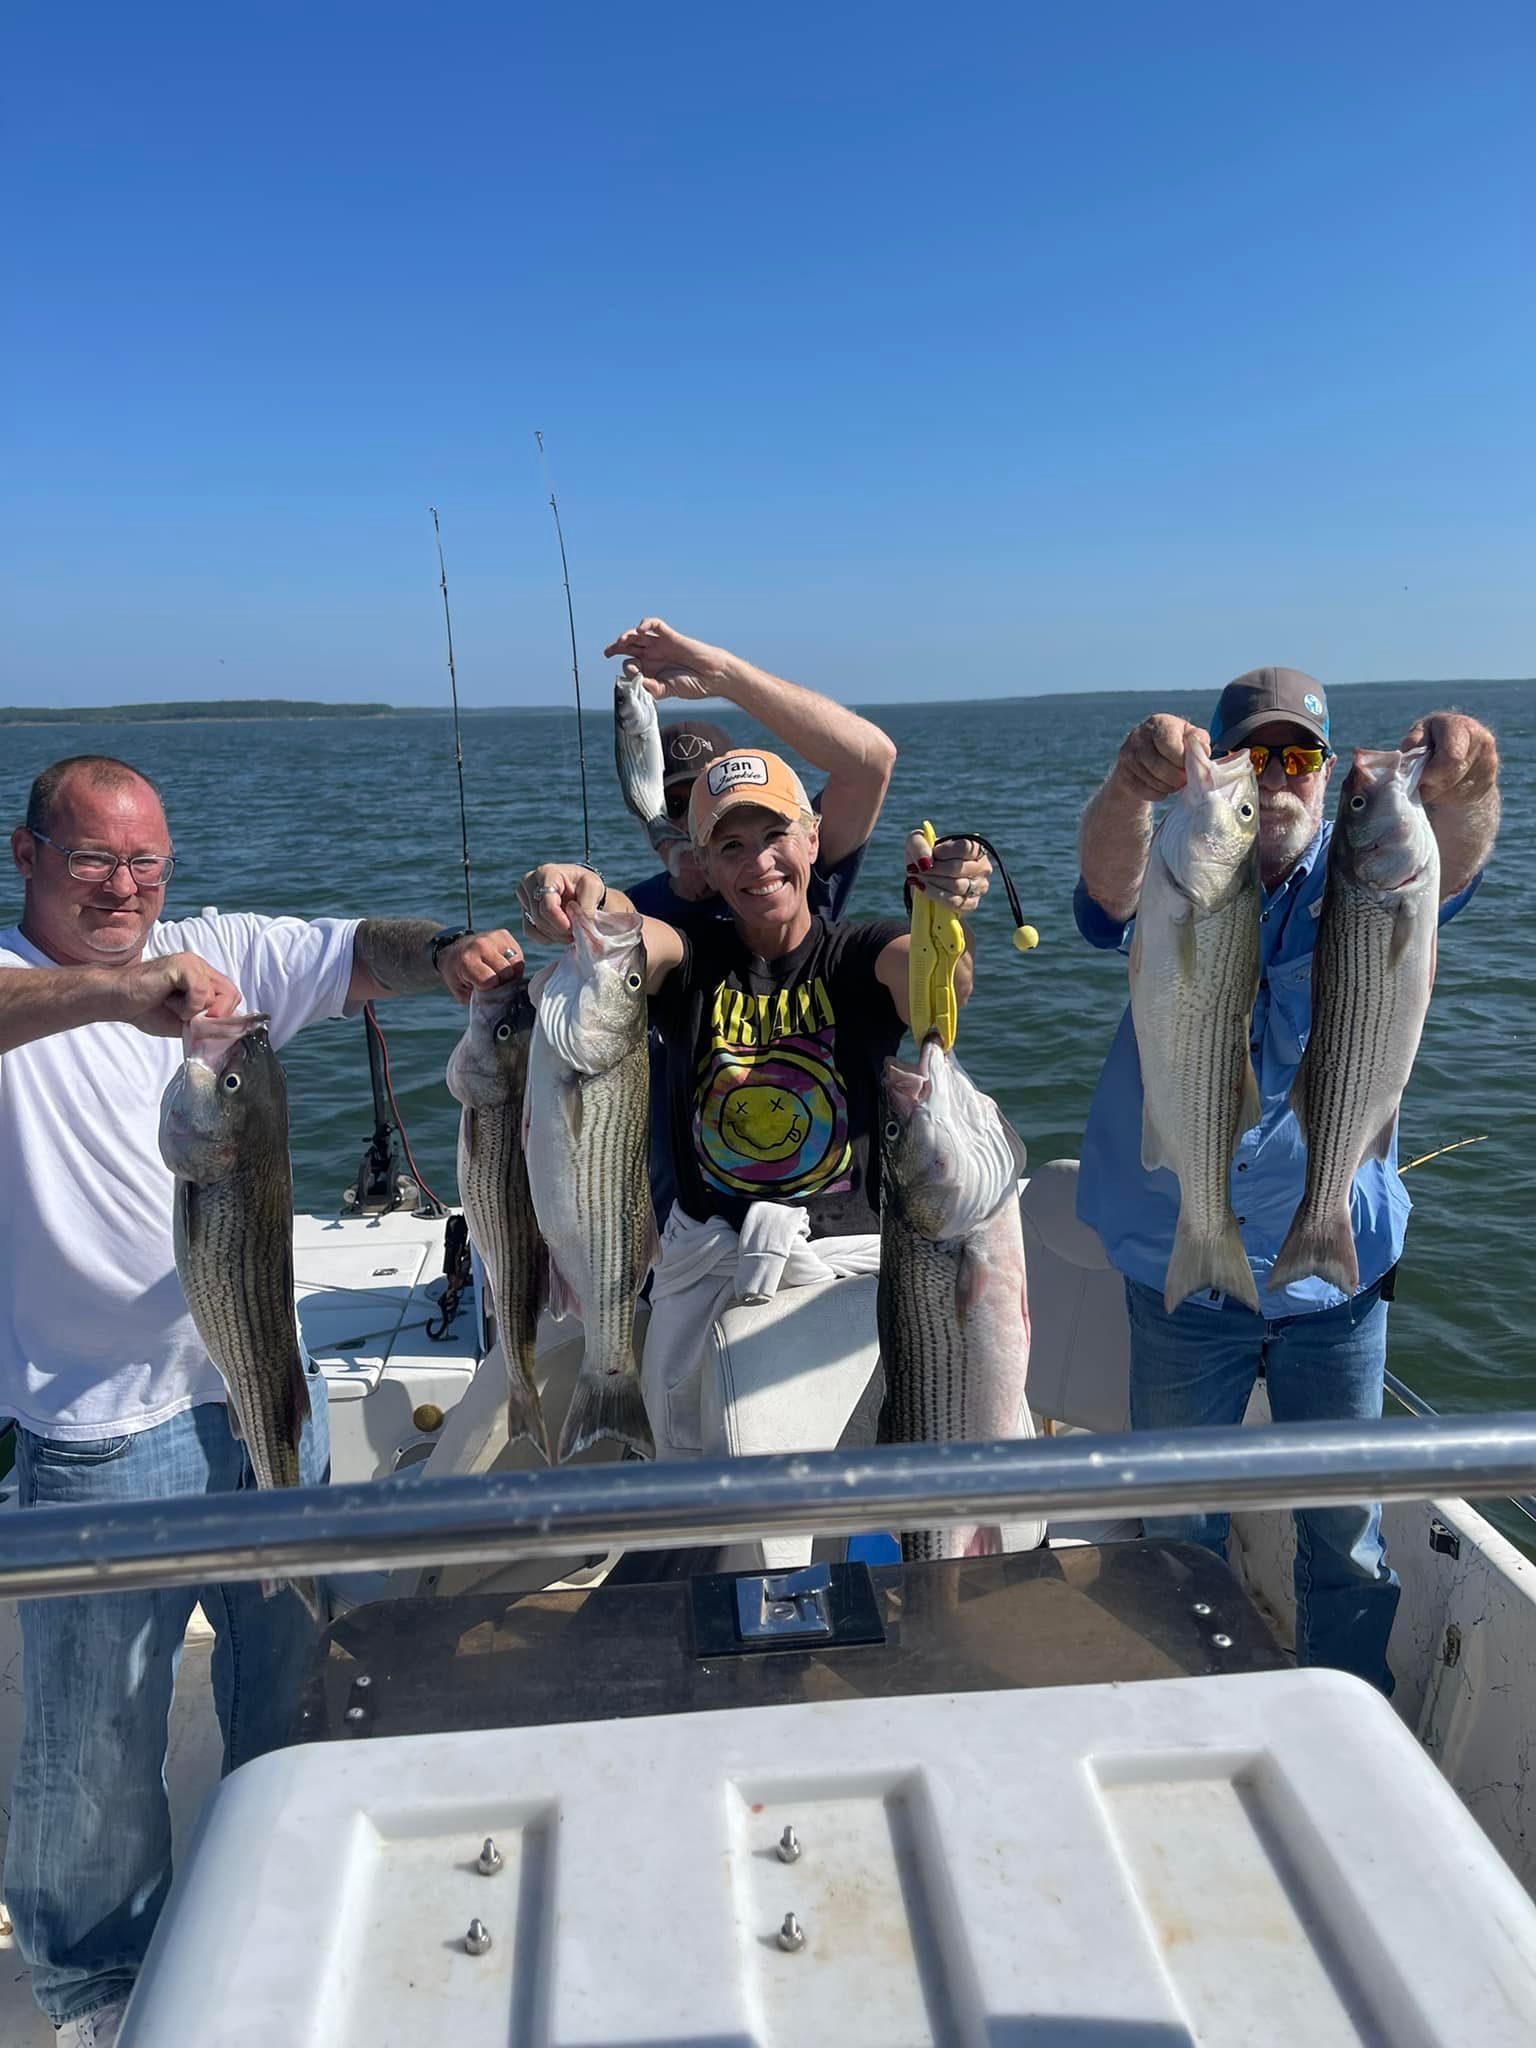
column 1322, row 1353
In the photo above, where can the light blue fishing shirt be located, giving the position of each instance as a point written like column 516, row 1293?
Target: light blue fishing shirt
column 1136, row 1212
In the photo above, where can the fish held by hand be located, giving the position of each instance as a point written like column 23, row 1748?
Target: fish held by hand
column 487, row 1076
column 1372, row 973
column 953, row 1302
column 224, row 1135
column 1194, row 976
column 587, row 1139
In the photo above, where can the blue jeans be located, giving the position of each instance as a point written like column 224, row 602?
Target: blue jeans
column 1199, row 1365
column 88, row 1863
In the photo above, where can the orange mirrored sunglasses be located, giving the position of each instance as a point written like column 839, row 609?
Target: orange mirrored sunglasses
column 1296, row 760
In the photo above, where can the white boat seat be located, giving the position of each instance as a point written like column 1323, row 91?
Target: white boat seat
column 800, row 1372
column 1079, row 1354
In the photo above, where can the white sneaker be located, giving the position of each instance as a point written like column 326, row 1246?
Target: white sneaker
column 96, row 2029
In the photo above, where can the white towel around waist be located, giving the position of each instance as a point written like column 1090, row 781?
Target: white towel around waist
column 701, row 1269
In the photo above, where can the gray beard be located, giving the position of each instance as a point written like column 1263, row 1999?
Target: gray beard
column 1283, row 843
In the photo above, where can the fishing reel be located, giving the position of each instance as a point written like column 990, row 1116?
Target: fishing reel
column 383, row 1186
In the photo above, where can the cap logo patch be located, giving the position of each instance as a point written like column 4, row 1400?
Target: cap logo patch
column 1313, row 703
column 733, row 770
column 688, row 746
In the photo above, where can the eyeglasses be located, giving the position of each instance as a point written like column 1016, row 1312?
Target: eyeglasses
column 675, row 796
column 149, row 870
column 1296, row 760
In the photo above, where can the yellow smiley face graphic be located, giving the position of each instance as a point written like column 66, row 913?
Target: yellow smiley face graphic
column 764, row 1122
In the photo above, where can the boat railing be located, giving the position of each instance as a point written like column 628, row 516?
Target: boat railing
column 1523, row 1504
column 502, row 1517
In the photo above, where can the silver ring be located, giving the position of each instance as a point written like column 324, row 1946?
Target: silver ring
column 970, row 888
column 551, row 889
column 509, row 953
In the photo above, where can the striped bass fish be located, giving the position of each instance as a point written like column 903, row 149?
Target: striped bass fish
column 638, row 757
column 587, row 1136
column 1372, row 973
column 953, row 1304
column 1194, row 976
column 487, row 1073
column 224, row 1134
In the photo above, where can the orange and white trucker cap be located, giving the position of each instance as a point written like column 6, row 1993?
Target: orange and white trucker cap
column 734, row 780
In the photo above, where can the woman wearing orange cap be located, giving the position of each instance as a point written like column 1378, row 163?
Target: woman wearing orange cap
column 776, row 1026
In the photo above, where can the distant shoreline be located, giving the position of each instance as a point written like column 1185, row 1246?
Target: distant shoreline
column 210, row 711
column 291, row 710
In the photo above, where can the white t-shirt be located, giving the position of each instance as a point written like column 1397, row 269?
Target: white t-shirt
column 95, row 1337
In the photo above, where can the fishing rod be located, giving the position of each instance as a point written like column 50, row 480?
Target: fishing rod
column 458, row 744
column 570, row 613
column 1440, row 1150
column 377, row 1189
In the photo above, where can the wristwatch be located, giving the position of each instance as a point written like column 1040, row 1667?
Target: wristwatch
column 449, row 936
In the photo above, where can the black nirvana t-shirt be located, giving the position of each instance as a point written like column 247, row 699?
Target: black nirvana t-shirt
column 773, row 1072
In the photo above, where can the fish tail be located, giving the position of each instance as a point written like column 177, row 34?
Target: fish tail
column 1321, row 1246
column 664, row 833
column 525, row 1418
column 606, row 1404
column 1209, row 1264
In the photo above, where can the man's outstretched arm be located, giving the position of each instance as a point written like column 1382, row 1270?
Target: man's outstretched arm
column 855, row 756
column 157, row 996
column 392, row 956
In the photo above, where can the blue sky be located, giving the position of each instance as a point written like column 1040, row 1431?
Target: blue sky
column 909, row 350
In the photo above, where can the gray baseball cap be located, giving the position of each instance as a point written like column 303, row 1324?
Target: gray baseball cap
column 1264, row 696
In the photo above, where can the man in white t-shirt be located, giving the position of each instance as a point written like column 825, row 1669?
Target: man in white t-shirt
column 113, row 1394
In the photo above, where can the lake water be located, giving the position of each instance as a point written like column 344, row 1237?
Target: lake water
column 361, row 818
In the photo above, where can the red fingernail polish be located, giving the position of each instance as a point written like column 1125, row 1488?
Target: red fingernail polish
column 924, row 861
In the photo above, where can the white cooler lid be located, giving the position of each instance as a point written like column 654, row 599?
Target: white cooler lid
column 1222, row 1861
